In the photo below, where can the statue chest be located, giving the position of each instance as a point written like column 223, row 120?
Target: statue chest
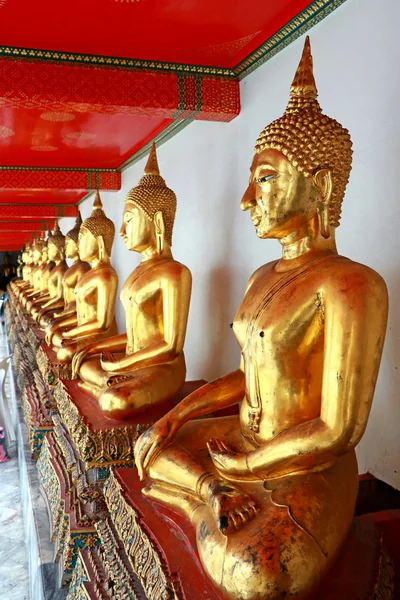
column 144, row 308
column 280, row 329
column 86, row 301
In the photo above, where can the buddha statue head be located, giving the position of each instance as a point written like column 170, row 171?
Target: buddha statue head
column 301, row 165
column 71, row 239
column 56, row 244
column 96, row 235
column 39, row 251
column 149, row 211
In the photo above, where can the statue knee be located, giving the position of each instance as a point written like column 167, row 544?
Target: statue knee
column 66, row 353
column 115, row 404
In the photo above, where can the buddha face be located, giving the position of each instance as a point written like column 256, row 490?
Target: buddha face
column 88, row 246
column 137, row 229
column 71, row 248
column 280, row 198
column 53, row 251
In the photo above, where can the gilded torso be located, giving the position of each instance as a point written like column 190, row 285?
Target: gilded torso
column 143, row 300
column 280, row 329
column 71, row 278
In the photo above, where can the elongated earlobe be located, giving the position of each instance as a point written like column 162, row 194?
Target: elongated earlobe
column 102, row 249
column 323, row 181
column 160, row 231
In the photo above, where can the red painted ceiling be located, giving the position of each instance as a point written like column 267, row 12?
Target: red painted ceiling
column 66, row 116
column 30, row 137
column 39, row 197
column 203, row 32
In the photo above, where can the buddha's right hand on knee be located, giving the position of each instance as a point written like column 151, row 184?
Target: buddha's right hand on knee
column 153, row 441
column 80, row 356
column 49, row 335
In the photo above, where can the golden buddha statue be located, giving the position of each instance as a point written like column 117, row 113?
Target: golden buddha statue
column 272, row 492
column 42, row 276
column 40, row 260
column 23, row 269
column 56, row 251
column 144, row 367
column 28, row 272
column 70, row 280
column 95, row 292
column 20, row 266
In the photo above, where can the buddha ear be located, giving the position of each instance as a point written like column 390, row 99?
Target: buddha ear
column 323, row 181
column 102, row 248
column 160, row 231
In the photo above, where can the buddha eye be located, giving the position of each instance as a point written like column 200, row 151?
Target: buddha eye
column 265, row 178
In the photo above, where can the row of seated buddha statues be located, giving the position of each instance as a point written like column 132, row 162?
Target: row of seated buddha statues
column 131, row 372
column 270, row 491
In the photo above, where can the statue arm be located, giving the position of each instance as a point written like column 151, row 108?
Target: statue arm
column 116, row 343
column 176, row 300
column 355, row 325
column 56, row 302
column 68, row 310
column 68, row 321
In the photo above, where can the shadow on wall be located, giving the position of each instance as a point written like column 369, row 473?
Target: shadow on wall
column 217, row 333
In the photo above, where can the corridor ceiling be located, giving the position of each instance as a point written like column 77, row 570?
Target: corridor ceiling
column 87, row 85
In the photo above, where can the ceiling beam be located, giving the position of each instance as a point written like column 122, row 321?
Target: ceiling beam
column 26, row 225
column 35, row 212
column 22, row 178
column 48, row 86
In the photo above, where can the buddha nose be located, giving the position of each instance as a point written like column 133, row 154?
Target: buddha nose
column 122, row 230
column 248, row 201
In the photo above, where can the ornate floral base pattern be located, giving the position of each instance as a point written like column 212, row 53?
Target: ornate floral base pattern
column 51, row 370
column 97, row 448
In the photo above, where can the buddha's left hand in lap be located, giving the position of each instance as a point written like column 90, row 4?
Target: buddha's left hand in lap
column 108, row 362
column 228, row 461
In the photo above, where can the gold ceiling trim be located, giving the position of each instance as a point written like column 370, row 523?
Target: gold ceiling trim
column 300, row 24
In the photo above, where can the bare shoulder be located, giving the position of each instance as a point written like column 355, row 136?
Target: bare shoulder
column 260, row 273
column 105, row 274
column 172, row 268
column 348, row 279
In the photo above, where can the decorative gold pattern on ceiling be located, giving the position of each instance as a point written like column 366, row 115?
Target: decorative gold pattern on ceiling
column 57, row 117
column 81, row 136
column 6, row 132
column 44, row 148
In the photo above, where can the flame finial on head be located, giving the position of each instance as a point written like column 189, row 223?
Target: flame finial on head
column 100, row 225
column 97, row 204
column 151, row 167
column 73, row 234
column 303, row 84
column 57, row 238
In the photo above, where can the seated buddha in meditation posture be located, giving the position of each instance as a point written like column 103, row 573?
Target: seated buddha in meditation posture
column 56, row 252
column 272, row 492
column 144, row 366
column 41, row 274
column 31, row 266
column 96, row 290
column 65, row 301
column 25, row 269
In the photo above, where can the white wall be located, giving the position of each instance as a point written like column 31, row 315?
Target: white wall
column 357, row 68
